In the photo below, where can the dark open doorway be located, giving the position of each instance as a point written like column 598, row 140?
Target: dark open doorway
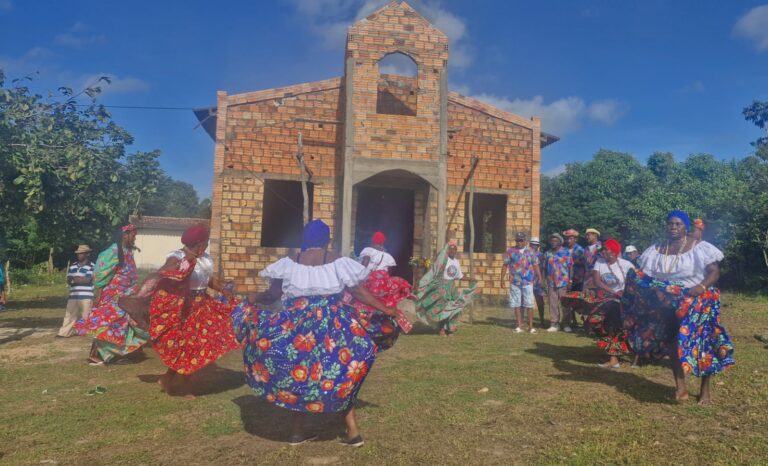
column 391, row 211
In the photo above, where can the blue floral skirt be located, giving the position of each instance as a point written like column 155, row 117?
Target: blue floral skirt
column 659, row 313
column 312, row 356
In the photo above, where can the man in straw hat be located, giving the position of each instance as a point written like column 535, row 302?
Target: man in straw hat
column 80, row 281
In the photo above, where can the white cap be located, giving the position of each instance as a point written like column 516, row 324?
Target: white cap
column 535, row 240
column 629, row 249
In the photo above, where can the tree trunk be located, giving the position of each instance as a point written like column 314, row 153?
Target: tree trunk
column 50, row 260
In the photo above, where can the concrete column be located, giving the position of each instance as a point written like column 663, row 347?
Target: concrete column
column 442, row 195
column 349, row 146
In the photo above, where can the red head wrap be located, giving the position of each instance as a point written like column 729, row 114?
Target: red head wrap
column 194, row 235
column 699, row 223
column 129, row 227
column 613, row 246
column 379, row 238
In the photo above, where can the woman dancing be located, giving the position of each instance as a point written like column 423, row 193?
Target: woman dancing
column 390, row 290
column 439, row 298
column 313, row 355
column 189, row 328
column 114, row 332
column 672, row 306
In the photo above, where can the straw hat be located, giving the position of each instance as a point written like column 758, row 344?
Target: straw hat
column 592, row 230
column 83, row 249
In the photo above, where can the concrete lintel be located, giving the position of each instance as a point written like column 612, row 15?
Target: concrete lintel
column 364, row 168
column 349, row 147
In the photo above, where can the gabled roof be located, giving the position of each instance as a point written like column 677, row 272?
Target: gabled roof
column 207, row 115
column 402, row 6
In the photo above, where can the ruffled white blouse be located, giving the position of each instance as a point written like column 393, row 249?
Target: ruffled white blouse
column 380, row 260
column 315, row 280
column 203, row 272
column 688, row 268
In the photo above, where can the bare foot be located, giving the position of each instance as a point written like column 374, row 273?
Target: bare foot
column 705, row 400
column 189, row 397
column 681, row 396
column 442, row 333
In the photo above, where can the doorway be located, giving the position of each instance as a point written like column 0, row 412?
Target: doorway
column 391, row 211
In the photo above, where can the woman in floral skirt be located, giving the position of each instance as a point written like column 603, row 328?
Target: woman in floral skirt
column 672, row 307
column 114, row 332
column 388, row 289
column 313, row 355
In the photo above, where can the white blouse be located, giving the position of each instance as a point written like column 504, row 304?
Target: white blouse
column 380, row 260
column 315, row 280
column 688, row 268
column 203, row 270
column 453, row 270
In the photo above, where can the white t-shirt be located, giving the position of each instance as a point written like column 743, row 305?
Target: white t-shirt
column 614, row 275
column 688, row 268
column 203, row 272
column 315, row 280
column 453, row 270
column 379, row 260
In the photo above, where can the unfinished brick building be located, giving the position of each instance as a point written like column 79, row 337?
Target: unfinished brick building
column 386, row 152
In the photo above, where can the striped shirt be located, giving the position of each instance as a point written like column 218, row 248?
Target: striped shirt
column 81, row 291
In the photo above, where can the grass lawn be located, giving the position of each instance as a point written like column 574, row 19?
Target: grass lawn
column 425, row 402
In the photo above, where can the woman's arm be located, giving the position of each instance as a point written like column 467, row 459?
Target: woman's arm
column 366, row 260
column 272, row 294
column 712, row 276
column 364, row 296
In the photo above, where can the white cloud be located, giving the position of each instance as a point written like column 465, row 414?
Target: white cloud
column 696, row 87
column 6, row 6
column 32, row 61
column 561, row 116
column 78, row 36
column 754, row 27
column 118, row 85
column 330, row 19
column 607, row 111
column 554, row 171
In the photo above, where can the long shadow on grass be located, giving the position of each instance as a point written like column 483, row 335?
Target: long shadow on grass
column 269, row 422
column 49, row 302
column 208, row 380
column 32, row 322
column 637, row 387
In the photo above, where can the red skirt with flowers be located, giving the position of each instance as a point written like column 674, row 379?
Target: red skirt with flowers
column 190, row 331
column 603, row 319
column 390, row 290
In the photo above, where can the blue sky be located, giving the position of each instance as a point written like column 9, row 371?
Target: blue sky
column 635, row 76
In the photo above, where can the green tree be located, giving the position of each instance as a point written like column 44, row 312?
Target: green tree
column 173, row 199
column 64, row 171
column 757, row 113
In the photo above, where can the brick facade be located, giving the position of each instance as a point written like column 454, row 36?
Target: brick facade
column 371, row 129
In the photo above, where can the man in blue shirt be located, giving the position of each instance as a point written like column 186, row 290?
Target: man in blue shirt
column 80, row 280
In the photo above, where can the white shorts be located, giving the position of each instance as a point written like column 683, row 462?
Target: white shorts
column 521, row 296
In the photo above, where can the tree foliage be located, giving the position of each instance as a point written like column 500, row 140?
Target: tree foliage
column 627, row 200
column 65, row 175
column 176, row 199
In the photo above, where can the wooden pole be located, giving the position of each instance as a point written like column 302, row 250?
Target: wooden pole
column 472, row 168
column 8, row 277
column 471, row 240
column 302, row 170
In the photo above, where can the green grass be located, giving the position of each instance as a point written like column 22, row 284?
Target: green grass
column 546, row 403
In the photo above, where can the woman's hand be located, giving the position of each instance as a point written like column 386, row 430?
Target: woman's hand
column 390, row 311
column 696, row 290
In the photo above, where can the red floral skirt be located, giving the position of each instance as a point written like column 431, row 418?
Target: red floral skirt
column 390, row 290
column 188, row 337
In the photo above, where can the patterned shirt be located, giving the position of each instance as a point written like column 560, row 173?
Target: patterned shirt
column 78, row 270
column 521, row 263
column 577, row 253
column 558, row 263
column 591, row 254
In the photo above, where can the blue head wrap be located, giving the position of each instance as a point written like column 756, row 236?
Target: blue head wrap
column 682, row 216
column 316, row 235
